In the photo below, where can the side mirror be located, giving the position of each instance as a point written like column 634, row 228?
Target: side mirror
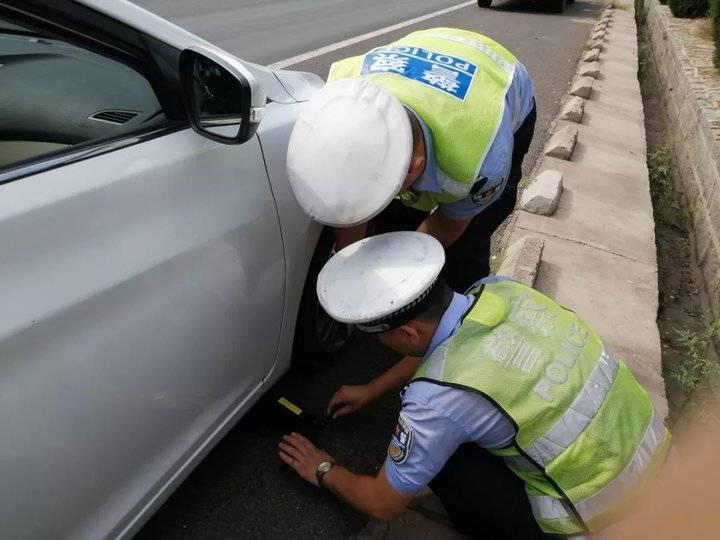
column 222, row 98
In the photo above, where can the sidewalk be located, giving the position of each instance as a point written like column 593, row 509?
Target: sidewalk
column 599, row 254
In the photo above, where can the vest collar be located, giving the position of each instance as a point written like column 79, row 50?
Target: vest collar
column 450, row 321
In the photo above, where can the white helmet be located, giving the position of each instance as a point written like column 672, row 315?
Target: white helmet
column 349, row 152
column 380, row 282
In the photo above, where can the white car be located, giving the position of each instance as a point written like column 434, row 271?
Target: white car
column 152, row 259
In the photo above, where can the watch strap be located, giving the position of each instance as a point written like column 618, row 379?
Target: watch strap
column 320, row 472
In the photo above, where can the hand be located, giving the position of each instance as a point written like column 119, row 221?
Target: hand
column 349, row 399
column 303, row 456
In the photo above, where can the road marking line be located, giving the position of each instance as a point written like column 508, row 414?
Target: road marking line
column 357, row 39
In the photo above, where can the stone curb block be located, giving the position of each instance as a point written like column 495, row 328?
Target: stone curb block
column 600, row 34
column 562, row 143
column 542, row 196
column 573, row 110
column 591, row 69
column 598, row 44
column 582, row 87
column 591, row 56
column 522, row 260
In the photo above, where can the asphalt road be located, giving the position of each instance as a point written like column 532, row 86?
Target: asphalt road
column 265, row 31
column 240, row 490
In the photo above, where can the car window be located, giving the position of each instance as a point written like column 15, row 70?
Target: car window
column 54, row 95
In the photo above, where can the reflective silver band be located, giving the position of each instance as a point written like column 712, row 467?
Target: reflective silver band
column 579, row 415
column 612, row 493
column 506, row 66
column 521, row 463
column 546, row 507
column 435, row 367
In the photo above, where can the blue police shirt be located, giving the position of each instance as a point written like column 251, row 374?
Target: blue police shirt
column 519, row 101
column 436, row 419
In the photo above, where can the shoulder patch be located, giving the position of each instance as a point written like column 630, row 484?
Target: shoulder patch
column 482, row 196
column 401, row 441
column 481, row 191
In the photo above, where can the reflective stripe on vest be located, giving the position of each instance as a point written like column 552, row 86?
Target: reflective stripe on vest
column 456, row 81
column 579, row 415
column 550, row 375
column 650, row 449
column 508, row 67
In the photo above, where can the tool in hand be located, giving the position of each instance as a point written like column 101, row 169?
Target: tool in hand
column 307, row 418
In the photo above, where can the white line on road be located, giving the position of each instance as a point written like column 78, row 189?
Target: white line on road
column 357, row 39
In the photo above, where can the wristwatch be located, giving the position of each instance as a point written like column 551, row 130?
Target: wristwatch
column 322, row 469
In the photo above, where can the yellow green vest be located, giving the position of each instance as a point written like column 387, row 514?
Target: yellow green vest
column 456, row 81
column 587, row 436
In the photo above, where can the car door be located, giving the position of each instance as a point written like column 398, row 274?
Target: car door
column 141, row 273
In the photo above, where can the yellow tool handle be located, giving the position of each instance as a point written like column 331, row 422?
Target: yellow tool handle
column 290, row 406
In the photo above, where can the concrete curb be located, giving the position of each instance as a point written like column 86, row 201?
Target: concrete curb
column 598, row 248
column 573, row 110
column 522, row 259
column 582, row 87
column 589, row 69
column 543, row 194
column 591, row 56
column 562, row 143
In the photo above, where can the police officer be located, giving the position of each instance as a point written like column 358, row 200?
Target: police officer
column 440, row 119
column 518, row 418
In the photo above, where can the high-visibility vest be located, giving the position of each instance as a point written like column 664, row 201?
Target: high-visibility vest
column 587, row 435
column 456, row 81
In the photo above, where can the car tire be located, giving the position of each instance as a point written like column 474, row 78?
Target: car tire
column 558, row 6
column 484, row 3
column 318, row 338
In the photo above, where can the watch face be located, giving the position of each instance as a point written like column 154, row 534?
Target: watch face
column 324, row 467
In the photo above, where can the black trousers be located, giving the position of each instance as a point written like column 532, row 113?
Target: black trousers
column 468, row 259
column 484, row 498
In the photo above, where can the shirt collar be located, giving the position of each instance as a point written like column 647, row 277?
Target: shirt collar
column 450, row 321
column 428, row 180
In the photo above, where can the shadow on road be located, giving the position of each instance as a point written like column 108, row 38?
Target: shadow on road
column 540, row 7
column 241, row 489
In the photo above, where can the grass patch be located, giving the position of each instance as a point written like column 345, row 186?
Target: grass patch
column 640, row 14
column 660, row 169
column 644, row 46
column 697, row 364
